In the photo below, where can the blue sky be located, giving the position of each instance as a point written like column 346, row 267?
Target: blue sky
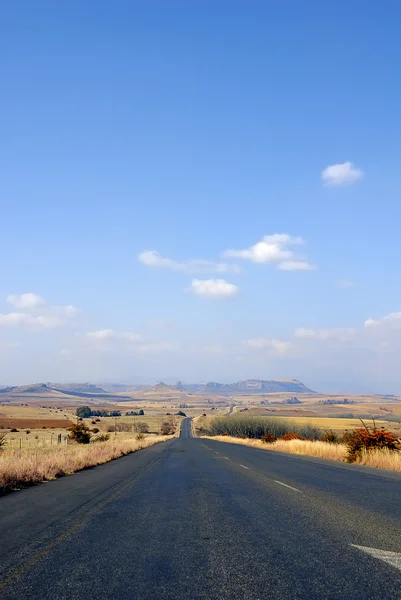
column 185, row 130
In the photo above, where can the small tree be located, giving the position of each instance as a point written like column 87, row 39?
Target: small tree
column 181, row 414
column 167, row 428
column 80, row 433
column 141, row 412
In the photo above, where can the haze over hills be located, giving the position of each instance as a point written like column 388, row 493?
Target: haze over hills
column 88, row 389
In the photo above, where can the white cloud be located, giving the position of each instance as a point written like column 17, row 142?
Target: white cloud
column 48, row 321
column 274, row 249
column 16, row 318
column 341, row 334
column 214, row 288
column 296, row 265
column 110, row 334
column 151, row 258
column 50, row 317
column 69, row 310
column 346, row 283
column 65, row 352
column 392, row 318
column 277, row 346
column 42, row 321
column 341, row 174
column 28, row 300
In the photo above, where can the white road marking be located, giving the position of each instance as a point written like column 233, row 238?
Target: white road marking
column 287, row 486
column 392, row 558
column 223, row 457
column 244, row 467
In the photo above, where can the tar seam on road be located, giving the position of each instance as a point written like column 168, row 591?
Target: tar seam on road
column 287, row 486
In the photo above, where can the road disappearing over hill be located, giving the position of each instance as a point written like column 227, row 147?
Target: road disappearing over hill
column 199, row 519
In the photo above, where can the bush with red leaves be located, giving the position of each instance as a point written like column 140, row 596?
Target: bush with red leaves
column 291, row 435
column 269, row 438
column 367, row 439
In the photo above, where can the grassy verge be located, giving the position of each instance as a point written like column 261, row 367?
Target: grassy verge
column 382, row 459
column 20, row 468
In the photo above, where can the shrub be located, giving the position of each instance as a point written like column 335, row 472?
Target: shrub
column 292, row 435
column 13, row 430
column 103, row 437
column 141, row 427
column 269, row 438
column 367, row 439
column 140, row 436
column 28, row 432
column 346, row 437
column 167, row 428
column 330, row 436
column 181, row 414
column 80, row 433
column 95, row 430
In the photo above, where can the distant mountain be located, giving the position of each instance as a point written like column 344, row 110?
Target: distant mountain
column 251, row 386
column 160, row 386
column 87, row 388
column 31, row 388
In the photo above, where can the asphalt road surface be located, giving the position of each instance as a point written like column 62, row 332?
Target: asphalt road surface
column 199, row 519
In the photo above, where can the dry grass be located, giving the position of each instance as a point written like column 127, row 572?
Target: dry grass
column 338, row 424
column 381, row 459
column 19, row 468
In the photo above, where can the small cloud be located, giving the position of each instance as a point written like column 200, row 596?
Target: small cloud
column 27, row 301
column 213, row 288
column 151, row 258
column 341, row 334
column 274, row 345
column 16, row 318
column 110, row 334
column 49, row 321
column 346, row 283
column 341, row 174
column 65, row 352
column 274, row 249
column 51, row 317
column 101, row 334
column 68, row 311
column 296, row 265
column 392, row 318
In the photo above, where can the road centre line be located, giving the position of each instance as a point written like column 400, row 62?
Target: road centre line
column 243, row 466
column 287, row 486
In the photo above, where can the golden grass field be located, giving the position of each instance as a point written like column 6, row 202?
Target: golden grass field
column 19, row 468
column 382, row 459
column 339, row 425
